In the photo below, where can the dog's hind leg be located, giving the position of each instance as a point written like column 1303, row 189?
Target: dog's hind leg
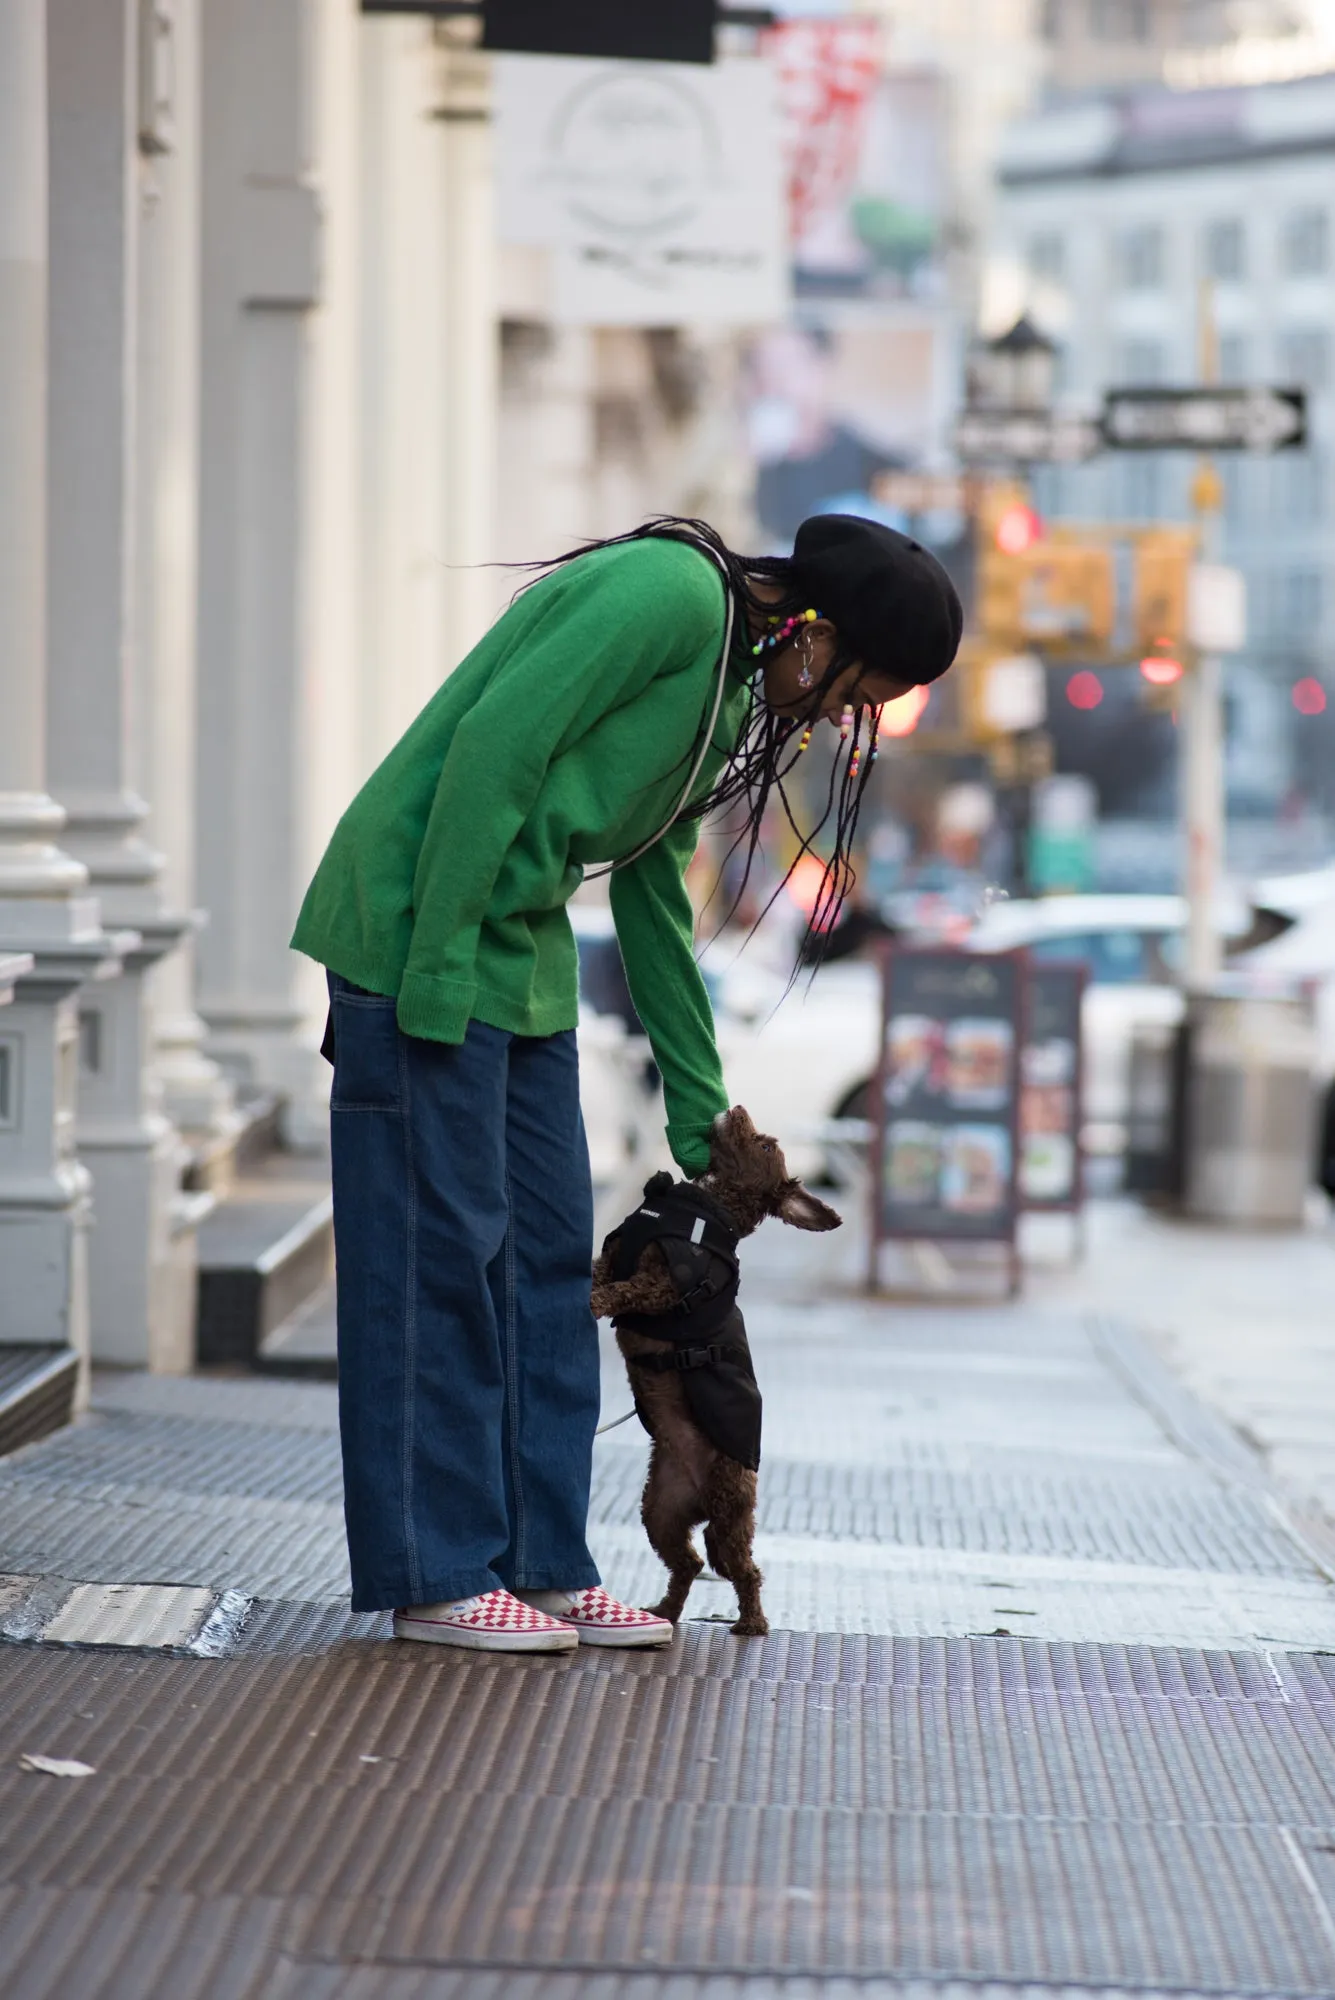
column 670, row 1509
column 731, row 1499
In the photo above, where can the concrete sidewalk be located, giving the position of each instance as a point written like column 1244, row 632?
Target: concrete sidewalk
column 1246, row 1319
column 1049, row 1701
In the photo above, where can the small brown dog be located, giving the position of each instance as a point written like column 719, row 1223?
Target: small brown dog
column 667, row 1278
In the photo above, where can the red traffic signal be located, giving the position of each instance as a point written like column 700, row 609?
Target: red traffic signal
column 1018, row 529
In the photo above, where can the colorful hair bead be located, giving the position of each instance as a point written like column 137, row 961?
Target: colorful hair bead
column 784, row 632
column 846, row 723
column 804, row 740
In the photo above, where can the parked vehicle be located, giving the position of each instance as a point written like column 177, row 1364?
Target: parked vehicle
column 801, row 1052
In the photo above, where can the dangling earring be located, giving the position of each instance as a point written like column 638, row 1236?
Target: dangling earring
column 804, row 677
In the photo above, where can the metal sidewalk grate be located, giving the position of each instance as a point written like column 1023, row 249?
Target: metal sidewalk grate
column 377, row 1808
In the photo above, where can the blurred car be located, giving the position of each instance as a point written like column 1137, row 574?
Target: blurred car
column 1301, row 958
column 811, row 1059
column 801, row 1051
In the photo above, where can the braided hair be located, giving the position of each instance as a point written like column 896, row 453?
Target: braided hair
column 768, row 744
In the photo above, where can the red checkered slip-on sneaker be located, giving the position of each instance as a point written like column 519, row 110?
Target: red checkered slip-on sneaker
column 494, row 1623
column 601, row 1620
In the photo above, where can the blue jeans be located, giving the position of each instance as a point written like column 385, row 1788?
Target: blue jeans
column 467, row 1350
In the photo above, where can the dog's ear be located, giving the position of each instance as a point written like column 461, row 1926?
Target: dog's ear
column 801, row 1208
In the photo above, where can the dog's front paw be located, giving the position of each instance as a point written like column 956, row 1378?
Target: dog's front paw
column 752, row 1628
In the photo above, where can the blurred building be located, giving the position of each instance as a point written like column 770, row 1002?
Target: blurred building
column 1137, row 229
column 1096, row 45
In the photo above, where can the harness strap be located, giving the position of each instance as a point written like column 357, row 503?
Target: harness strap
column 686, row 1358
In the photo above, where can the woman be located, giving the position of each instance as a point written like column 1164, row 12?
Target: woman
column 635, row 686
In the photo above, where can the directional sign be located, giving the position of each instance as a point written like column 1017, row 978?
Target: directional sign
column 1204, row 419
column 1021, row 437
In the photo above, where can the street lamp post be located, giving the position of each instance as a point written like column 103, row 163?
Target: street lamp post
column 1014, row 376
column 1017, row 371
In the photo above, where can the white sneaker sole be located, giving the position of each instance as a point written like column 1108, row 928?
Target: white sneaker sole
column 436, row 1634
column 594, row 1635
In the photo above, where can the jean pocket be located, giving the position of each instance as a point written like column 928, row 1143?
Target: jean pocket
column 367, row 1054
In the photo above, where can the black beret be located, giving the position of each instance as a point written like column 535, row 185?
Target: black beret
column 889, row 598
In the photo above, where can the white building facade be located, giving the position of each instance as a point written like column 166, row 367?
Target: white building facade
column 248, row 388
column 1147, row 234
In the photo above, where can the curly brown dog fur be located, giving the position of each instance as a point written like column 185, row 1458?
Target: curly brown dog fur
column 689, row 1481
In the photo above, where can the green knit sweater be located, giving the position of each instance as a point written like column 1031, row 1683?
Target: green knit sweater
column 563, row 740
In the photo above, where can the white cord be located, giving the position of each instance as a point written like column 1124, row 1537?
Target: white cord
column 595, row 874
column 615, row 1421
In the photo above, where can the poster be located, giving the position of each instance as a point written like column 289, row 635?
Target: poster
column 657, row 187
column 1050, row 1094
column 949, row 1091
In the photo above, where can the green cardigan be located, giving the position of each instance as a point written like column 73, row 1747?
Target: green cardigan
column 563, row 740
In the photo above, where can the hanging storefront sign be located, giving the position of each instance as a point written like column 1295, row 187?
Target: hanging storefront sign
column 658, row 188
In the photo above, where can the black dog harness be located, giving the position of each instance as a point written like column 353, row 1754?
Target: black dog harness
column 705, row 1326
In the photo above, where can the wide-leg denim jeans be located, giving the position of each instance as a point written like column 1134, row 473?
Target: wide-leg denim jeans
column 467, row 1350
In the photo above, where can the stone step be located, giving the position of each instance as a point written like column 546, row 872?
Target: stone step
column 251, row 1133
column 262, row 1253
column 37, row 1387
column 305, row 1345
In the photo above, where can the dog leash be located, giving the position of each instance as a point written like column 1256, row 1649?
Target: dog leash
column 615, row 1421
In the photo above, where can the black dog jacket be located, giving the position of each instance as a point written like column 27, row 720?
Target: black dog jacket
column 705, row 1326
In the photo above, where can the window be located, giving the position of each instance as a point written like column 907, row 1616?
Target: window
column 1238, row 479
column 1142, row 363
column 1299, row 487
column 1304, row 356
column 1225, row 249
column 1113, row 958
column 1234, row 361
column 1306, row 246
column 1120, row 20
column 1139, row 258
column 1300, row 604
column 1142, row 487
column 1047, row 256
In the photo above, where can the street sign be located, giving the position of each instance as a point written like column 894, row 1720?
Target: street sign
column 1023, row 437
column 1257, row 419
column 923, row 492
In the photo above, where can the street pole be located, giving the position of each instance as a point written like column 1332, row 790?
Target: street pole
column 1202, row 727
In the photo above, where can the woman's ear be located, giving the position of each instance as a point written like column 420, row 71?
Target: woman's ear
column 801, row 1208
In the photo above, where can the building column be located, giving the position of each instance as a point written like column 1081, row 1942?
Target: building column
column 196, row 1095
column 469, row 358
column 139, row 1314
column 404, row 584
column 45, row 908
column 278, row 624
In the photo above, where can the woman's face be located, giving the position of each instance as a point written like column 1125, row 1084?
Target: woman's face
column 811, row 652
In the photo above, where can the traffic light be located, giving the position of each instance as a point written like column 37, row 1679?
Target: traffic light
column 1059, row 596
column 1162, row 572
